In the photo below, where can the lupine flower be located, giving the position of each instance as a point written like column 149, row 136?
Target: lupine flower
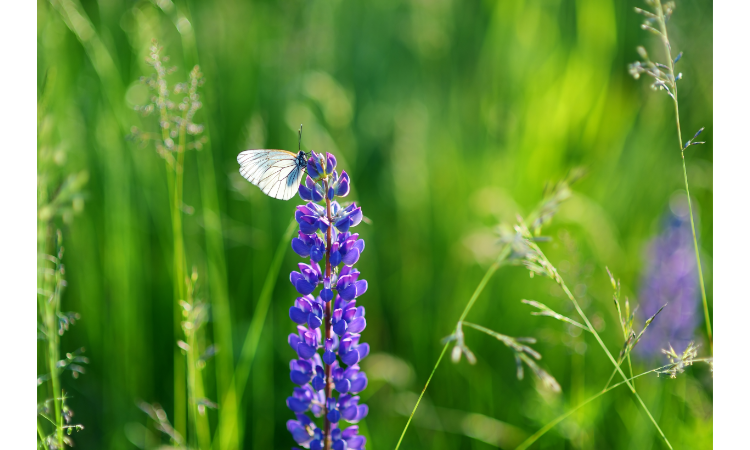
column 670, row 277
column 329, row 322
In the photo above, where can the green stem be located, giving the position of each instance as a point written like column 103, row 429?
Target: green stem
column 40, row 432
column 445, row 347
column 585, row 318
column 667, row 49
column 492, row 269
column 534, row 437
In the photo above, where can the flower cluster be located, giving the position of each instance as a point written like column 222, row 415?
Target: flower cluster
column 329, row 321
column 671, row 277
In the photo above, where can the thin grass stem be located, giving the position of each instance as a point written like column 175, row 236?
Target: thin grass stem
column 440, row 358
column 668, row 51
column 534, row 437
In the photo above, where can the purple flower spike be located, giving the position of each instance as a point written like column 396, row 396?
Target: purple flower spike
column 319, row 310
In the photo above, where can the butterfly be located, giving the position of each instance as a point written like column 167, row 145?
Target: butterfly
column 276, row 172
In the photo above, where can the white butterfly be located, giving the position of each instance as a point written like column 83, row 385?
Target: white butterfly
column 276, row 172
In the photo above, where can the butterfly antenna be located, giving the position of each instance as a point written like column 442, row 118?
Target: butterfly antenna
column 299, row 144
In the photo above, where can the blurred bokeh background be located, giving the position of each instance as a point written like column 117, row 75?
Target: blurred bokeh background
column 450, row 118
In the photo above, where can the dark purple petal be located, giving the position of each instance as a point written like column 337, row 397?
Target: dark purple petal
column 343, row 224
column 334, row 416
column 303, row 287
column 300, row 248
column 307, row 227
column 350, row 358
column 329, row 357
column 317, row 252
column 317, row 193
column 305, row 351
column 330, row 193
column 300, row 378
column 326, row 295
column 316, row 444
column 294, row 341
column 339, row 445
column 314, row 321
column 340, row 327
column 296, row 404
column 297, row 315
column 312, row 171
column 304, row 193
column 318, row 383
column 349, row 293
column 357, row 325
column 343, row 386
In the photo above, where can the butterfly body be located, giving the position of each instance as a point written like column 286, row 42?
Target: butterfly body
column 276, row 172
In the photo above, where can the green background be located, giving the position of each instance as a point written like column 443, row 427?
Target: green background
column 450, row 117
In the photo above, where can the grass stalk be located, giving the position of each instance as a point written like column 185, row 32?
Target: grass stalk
column 534, row 437
column 492, row 269
column 558, row 279
column 670, row 61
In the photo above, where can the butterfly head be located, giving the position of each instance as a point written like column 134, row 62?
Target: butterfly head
column 302, row 158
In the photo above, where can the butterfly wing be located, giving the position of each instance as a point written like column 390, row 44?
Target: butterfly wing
column 276, row 172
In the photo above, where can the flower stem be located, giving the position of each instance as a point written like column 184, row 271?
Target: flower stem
column 328, row 312
column 670, row 61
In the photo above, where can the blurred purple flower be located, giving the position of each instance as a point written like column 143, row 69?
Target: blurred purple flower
column 670, row 277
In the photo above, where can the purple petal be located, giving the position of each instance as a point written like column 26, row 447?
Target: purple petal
column 305, row 193
column 359, row 384
column 314, row 321
column 311, row 170
column 362, row 411
column 303, row 287
column 340, row 327
column 329, row 357
column 363, row 350
column 349, row 413
column 349, row 293
column 334, row 416
column 356, row 217
column 343, row 224
column 330, row 163
column 318, row 383
column 299, row 378
column 326, row 295
column 357, row 325
column 296, row 404
column 305, row 351
column 350, row 358
column 351, row 257
column 343, row 386
column 361, row 287
column 297, row 315
column 350, row 432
